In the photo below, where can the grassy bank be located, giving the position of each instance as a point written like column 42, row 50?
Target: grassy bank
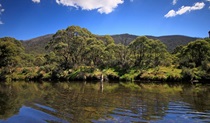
column 86, row 73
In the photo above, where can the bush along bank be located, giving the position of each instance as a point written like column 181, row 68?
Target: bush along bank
column 75, row 53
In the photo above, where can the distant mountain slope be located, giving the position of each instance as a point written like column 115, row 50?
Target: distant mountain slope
column 171, row 41
column 37, row 45
column 124, row 38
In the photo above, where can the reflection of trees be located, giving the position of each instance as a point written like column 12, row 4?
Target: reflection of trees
column 78, row 102
column 83, row 102
column 198, row 96
column 9, row 104
column 144, row 104
column 86, row 102
column 149, row 105
column 14, row 95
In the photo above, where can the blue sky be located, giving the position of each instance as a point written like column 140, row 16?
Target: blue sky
column 26, row 19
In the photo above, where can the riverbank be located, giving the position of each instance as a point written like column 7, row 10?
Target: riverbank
column 85, row 73
column 90, row 57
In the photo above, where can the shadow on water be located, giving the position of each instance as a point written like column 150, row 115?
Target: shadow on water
column 103, row 102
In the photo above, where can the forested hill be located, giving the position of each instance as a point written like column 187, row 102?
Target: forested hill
column 75, row 53
column 37, row 45
column 171, row 41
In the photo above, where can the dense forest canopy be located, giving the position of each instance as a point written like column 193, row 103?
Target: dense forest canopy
column 76, row 53
column 37, row 45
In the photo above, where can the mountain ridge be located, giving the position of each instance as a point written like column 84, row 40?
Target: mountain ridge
column 37, row 44
column 171, row 41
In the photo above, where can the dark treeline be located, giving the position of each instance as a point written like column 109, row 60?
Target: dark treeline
column 77, row 54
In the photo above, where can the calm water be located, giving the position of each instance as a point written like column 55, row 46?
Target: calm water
column 22, row 102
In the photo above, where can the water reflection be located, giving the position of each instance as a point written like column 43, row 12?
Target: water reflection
column 103, row 102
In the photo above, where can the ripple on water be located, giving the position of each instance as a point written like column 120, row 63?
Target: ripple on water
column 183, row 113
column 31, row 115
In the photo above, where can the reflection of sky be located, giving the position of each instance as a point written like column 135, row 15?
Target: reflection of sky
column 118, row 106
column 31, row 115
column 178, row 112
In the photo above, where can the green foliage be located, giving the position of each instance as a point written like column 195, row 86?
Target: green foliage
column 139, row 48
column 194, row 53
column 122, row 58
column 10, row 50
column 90, row 73
column 76, row 54
column 206, row 66
column 131, row 75
column 191, row 74
column 130, row 85
column 160, row 88
column 194, row 60
column 70, row 45
column 162, row 73
column 148, row 53
column 110, row 73
column 10, row 56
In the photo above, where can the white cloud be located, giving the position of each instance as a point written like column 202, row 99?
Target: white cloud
column 1, row 11
column 1, row 22
column 102, row 6
column 171, row 13
column 198, row 6
column 184, row 9
column 208, row 1
column 36, row 1
column 174, row 2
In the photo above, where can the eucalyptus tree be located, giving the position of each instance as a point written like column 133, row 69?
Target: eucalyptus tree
column 70, row 45
column 109, row 55
column 109, row 51
column 39, row 60
column 148, row 52
column 107, row 39
column 122, row 55
column 207, row 39
column 10, row 52
column 195, row 53
column 95, row 52
column 139, row 48
column 157, row 53
column 195, row 60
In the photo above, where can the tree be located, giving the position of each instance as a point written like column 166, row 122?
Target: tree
column 39, row 60
column 95, row 52
column 69, row 45
column 195, row 53
column 109, row 51
column 139, row 48
column 148, row 53
column 157, row 53
column 107, row 39
column 10, row 52
column 122, row 55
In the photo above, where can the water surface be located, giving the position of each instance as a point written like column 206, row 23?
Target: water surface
column 22, row 102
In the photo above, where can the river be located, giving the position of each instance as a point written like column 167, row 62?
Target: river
column 81, row 102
